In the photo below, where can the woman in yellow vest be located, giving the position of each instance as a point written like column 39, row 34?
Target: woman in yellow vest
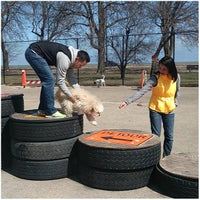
column 165, row 86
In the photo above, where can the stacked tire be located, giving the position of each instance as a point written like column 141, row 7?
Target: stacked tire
column 176, row 176
column 10, row 103
column 41, row 148
column 116, row 167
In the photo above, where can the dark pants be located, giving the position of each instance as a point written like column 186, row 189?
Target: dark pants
column 156, row 119
column 46, row 76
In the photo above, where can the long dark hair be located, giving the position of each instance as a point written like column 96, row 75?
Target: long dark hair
column 170, row 64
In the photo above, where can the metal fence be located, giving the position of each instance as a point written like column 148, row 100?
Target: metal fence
column 16, row 49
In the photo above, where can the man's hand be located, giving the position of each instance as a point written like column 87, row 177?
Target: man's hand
column 73, row 99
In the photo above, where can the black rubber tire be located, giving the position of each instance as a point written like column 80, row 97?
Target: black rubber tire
column 44, row 130
column 5, row 144
column 40, row 170
column 11, row 103
column 117, row 156
column 42, row 150
column 174, row 186
column 119, row 159
column 7, row 107
column 18, row 102
column 4, row 121
column 113, row 180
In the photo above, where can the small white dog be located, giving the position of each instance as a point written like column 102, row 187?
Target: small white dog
column 86, row 104
column 100, row 82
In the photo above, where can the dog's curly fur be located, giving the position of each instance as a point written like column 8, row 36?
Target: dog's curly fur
column 86, row 103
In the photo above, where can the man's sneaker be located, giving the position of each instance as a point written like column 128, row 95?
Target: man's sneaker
column 41, row 113
column 57, row 114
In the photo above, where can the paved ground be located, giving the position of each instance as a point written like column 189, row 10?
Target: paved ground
column 132, row 117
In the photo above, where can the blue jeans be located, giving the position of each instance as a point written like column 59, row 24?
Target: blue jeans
column 46, row 77
column 168, row 124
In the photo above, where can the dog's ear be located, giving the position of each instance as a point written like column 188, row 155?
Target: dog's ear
column 91, row 119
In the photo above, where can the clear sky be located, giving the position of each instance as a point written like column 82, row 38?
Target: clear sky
column 183, row 54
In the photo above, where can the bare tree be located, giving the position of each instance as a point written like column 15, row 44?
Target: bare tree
column 98, row 17
column 95, row 14
column 130, row 45
column 103, row 19
column 51, row 20
column 12, row 26
column 174, row 17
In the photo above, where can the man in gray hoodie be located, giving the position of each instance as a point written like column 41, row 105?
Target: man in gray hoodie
column 43, row 54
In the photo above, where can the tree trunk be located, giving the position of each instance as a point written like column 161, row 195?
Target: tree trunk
column 5, row 59
column 122, row 73
column 101, row 38
column 101, row 54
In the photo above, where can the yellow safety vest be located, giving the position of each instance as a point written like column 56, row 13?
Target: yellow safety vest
column 163, row 95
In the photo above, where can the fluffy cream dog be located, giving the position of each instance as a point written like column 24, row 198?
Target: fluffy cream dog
column 86, row 104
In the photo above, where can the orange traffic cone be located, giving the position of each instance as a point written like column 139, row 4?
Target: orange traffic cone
column 142, row 79
column 24, row 83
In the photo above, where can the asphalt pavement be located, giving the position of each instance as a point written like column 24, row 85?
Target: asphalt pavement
column 135, row 116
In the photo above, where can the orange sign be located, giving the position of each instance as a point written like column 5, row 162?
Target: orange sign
column 117, row 137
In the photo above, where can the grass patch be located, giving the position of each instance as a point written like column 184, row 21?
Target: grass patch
column 113, row 78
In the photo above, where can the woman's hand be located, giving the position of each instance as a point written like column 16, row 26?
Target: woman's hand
column 123, row 105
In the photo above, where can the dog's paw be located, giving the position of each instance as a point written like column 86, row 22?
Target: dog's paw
column 93, row 123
